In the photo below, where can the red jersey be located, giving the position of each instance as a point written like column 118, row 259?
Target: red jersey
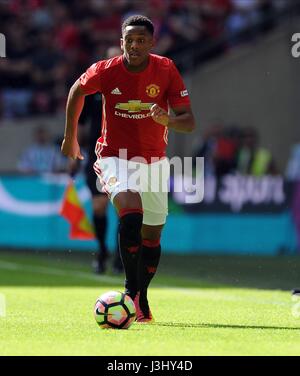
column 127, row 99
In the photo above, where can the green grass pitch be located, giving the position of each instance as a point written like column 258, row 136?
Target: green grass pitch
column 202, row 306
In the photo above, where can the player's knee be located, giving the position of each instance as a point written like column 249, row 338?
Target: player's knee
column 130, row 227
column 151, row 233
column 127, row 200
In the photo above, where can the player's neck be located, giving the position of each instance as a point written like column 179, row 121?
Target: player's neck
column 136, row 68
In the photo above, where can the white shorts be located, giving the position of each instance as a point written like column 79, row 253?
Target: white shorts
column 151, row 181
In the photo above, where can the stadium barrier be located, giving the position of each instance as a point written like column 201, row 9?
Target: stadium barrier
column 239, row 215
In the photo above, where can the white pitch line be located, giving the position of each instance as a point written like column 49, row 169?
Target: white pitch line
column 8, row 265
column 59, row 272
column 116, row 280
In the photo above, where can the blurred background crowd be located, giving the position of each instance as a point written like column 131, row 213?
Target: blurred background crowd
column 225, row 149
column 51, row 42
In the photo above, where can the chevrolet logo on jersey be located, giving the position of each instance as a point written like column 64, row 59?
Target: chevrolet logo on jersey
column 134, row 106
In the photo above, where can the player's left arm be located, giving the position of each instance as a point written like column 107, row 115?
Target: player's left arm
column 181, row 121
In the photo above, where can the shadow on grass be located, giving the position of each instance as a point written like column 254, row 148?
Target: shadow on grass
column 59, row 269
column 270, row 273
column 222, row 326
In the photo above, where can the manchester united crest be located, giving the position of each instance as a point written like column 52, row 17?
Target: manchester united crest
column 152, row 90
column 112, row 181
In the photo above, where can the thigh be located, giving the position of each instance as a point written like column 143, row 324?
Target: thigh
column 155, row 197
column 127, row 200
column 100, row 202
column 114, row 177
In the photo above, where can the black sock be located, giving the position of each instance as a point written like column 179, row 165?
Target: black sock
column 130, row 242
column 117, row 255
column 100, row 224
column 149, row 260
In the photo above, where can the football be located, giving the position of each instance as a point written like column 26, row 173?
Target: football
column 114, row 310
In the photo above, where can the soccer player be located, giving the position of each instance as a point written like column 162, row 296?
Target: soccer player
column 139, row 91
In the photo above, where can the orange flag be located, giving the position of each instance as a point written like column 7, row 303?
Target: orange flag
column 73, row 211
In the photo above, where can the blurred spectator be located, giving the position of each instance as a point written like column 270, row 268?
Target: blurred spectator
column 42, row 156
column 226, row 151
column 185, row 23
column 293, row 167
column 231, row 149
column 208, row 147
column 158, row 11
column 253, row 159
column 48, row 71
column 248, row 18
column 219, row 149
column 244, row 15
column 267, row 10
column 214, row 14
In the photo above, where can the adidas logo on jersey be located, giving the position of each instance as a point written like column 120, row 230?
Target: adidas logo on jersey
column 116, row 91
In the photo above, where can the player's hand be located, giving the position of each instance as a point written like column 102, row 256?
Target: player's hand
column 70, row 148
column 159, row 115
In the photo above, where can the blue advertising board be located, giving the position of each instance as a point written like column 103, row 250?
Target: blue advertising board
column 29, row 218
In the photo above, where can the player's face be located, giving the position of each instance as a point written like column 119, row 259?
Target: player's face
column 136, row 44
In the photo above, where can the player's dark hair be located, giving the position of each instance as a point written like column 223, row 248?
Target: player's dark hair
column 138, row 20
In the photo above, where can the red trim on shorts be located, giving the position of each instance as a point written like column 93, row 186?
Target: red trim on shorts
column 123, row 212
column 151, row 243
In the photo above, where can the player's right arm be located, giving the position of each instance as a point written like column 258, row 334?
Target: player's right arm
column 88, row 83
column 70, row 146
